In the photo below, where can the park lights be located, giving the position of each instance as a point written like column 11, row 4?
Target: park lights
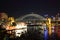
column 20, row 28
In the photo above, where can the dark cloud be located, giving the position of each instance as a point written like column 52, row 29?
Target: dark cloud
column 18, row 7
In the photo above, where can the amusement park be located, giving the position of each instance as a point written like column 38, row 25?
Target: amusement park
column 29, row 27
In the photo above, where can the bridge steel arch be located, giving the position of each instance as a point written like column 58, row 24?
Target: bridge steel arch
column 34, row 15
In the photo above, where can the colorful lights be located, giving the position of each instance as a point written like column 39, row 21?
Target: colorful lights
column 49, row 26
column 45, row 33
column 21, row 27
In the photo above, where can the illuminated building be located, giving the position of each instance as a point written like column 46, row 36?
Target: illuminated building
column 49, row 26
column 45, row 31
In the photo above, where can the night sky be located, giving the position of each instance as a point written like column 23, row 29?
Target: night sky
column 18, row 8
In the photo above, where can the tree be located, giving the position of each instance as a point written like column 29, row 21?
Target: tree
column 4, row 15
